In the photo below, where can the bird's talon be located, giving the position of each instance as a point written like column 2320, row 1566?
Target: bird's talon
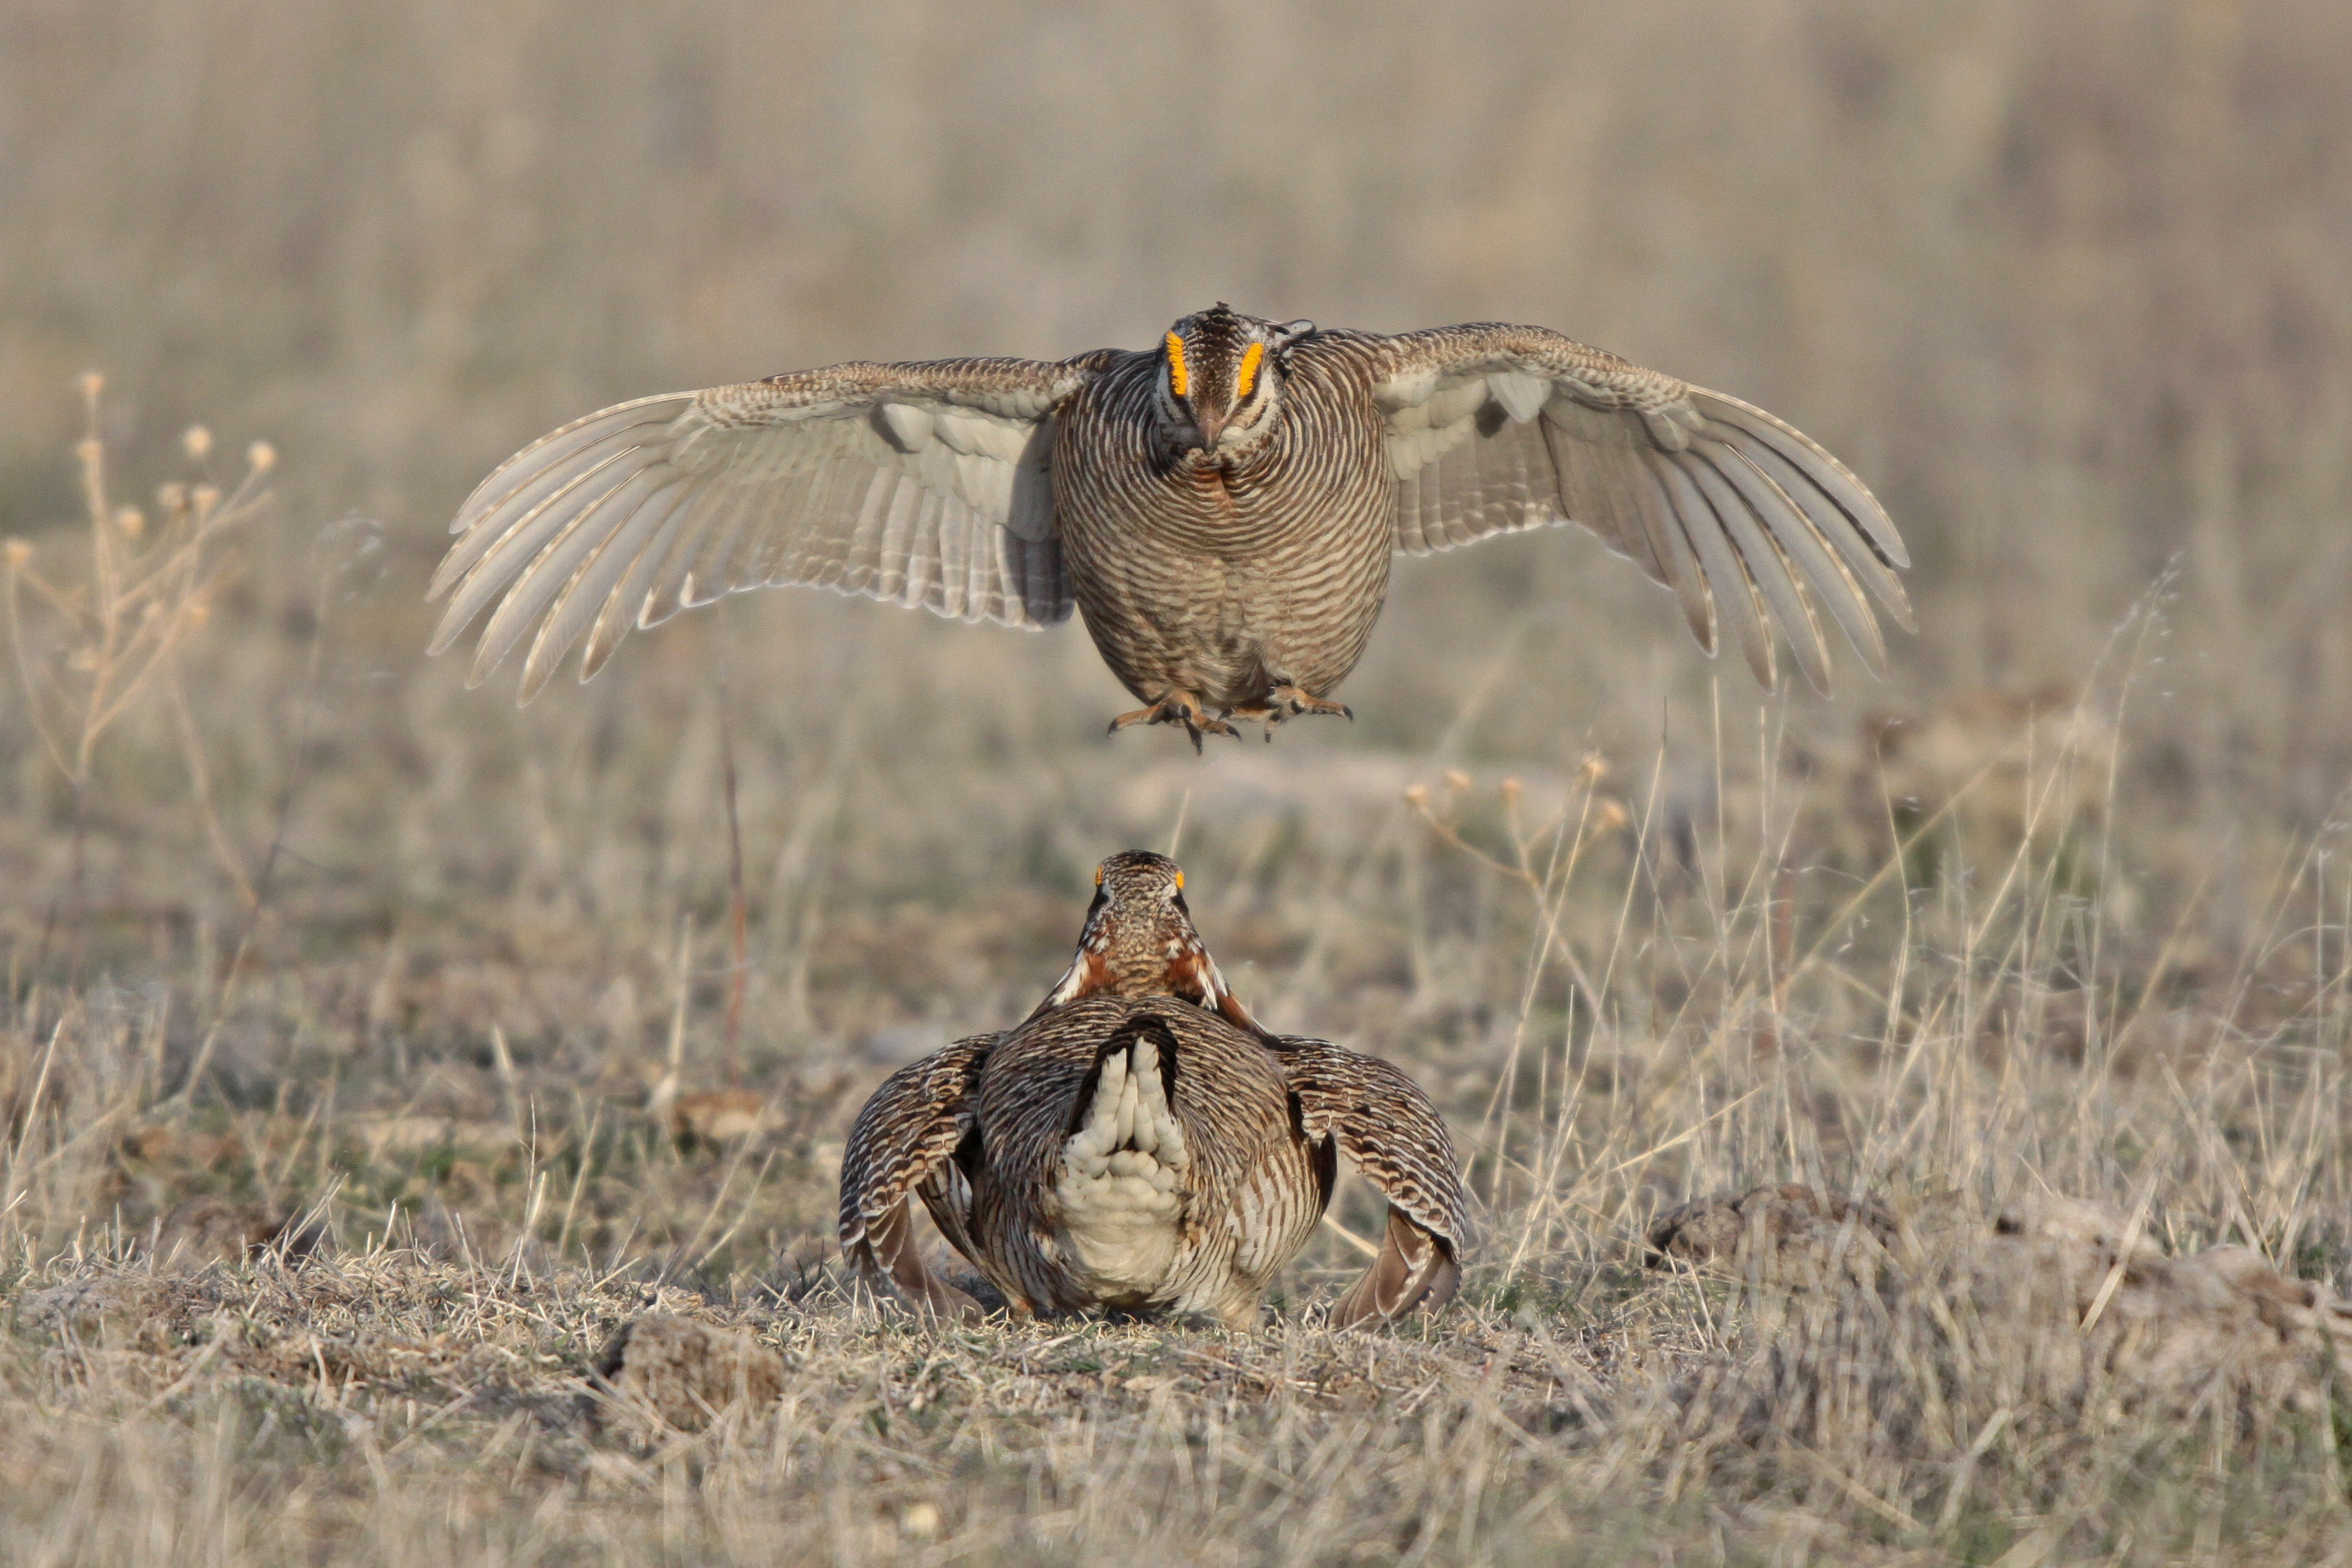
column 1282, row 704
column 1178, row 708
column 1292, row 700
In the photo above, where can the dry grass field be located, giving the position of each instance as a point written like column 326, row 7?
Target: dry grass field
column 372, row 1052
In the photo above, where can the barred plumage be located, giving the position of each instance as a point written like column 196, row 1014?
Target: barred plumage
column 1227, row 539
column 1136, row 1145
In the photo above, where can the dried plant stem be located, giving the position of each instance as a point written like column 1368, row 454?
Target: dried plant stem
column 739, row 923
column 305, row 710
column 118, row 632
column 192, row 748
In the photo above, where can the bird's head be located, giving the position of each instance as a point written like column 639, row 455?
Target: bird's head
column 1220, row 377
column 1136, row 886
column 1139, row 942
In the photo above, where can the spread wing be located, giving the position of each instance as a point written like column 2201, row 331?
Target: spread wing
column 1393, row 1136
column 902, row 1146
column 1494, row 428
column 924, row 485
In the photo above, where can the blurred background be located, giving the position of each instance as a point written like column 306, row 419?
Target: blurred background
column 2069, row 286
column 504, row 1014
column 2065, row 284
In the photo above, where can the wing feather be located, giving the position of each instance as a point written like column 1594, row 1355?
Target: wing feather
column 923, row 485
column 1855, row 550
column 1768, row 568
column 900, row 1148
column 1496, row 429
column 1834, row 478
column 1726, row 571
column 632, row 596
column 1394, row 1137
column 584, row 596
column 517, row 499
column 562, row 534
column 504, row 551
column 1806, row 547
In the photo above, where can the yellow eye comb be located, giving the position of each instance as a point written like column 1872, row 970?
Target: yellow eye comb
column 1248, row 377
column 1177, row 379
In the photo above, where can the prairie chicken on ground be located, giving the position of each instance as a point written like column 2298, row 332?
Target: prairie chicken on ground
column 1222, row 508
column 1141, row 1144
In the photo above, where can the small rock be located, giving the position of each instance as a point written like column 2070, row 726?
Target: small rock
column 214, row 1224
column 1791, row 1221
column 2056, row 1291
column 165, row 1146
column 718, row 1116
column 85, row 1306
column 674, row 1372
column 388, row 1137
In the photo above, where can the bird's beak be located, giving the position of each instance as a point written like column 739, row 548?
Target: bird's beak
column 1211, row 424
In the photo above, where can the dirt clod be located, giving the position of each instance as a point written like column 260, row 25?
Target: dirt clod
column 2067, row 1300
column 665, row 1371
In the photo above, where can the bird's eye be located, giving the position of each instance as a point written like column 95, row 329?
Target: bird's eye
column 1178, row 380
column 1248, row 376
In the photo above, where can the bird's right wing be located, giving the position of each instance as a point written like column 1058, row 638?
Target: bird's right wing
column 1394, row 1137
column 903, row 1146
column 924, row 485
column 1493, row 428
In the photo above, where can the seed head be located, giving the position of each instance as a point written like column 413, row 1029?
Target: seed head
column 131, row 520
column 261, row 457
column 1457, row 779
column 17, row 553
column 198, row 442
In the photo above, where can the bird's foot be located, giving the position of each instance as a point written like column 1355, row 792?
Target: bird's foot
column 1291, row 701
column 1286, row 703
column 1179, row 708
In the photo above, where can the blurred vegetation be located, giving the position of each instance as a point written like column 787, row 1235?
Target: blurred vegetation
column 311, row 949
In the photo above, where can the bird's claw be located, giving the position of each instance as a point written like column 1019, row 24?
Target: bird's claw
column 1289, row 701
column 1286, row 703
column 1179, row 708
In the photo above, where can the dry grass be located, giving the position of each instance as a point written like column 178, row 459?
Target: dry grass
column 365, row 1060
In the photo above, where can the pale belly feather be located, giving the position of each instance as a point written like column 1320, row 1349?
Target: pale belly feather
column 1117, row 1207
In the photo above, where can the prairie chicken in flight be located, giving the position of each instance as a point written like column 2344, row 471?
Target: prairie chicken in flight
column 1140, row 1143
column 1222, row 508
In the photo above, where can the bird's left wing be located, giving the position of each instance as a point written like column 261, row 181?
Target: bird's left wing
column 921, row 484
column 1494, row 428
column 902, row 1147
column 1394, row 1137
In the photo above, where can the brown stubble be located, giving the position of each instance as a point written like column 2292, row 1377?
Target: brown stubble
column 2056, row 909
